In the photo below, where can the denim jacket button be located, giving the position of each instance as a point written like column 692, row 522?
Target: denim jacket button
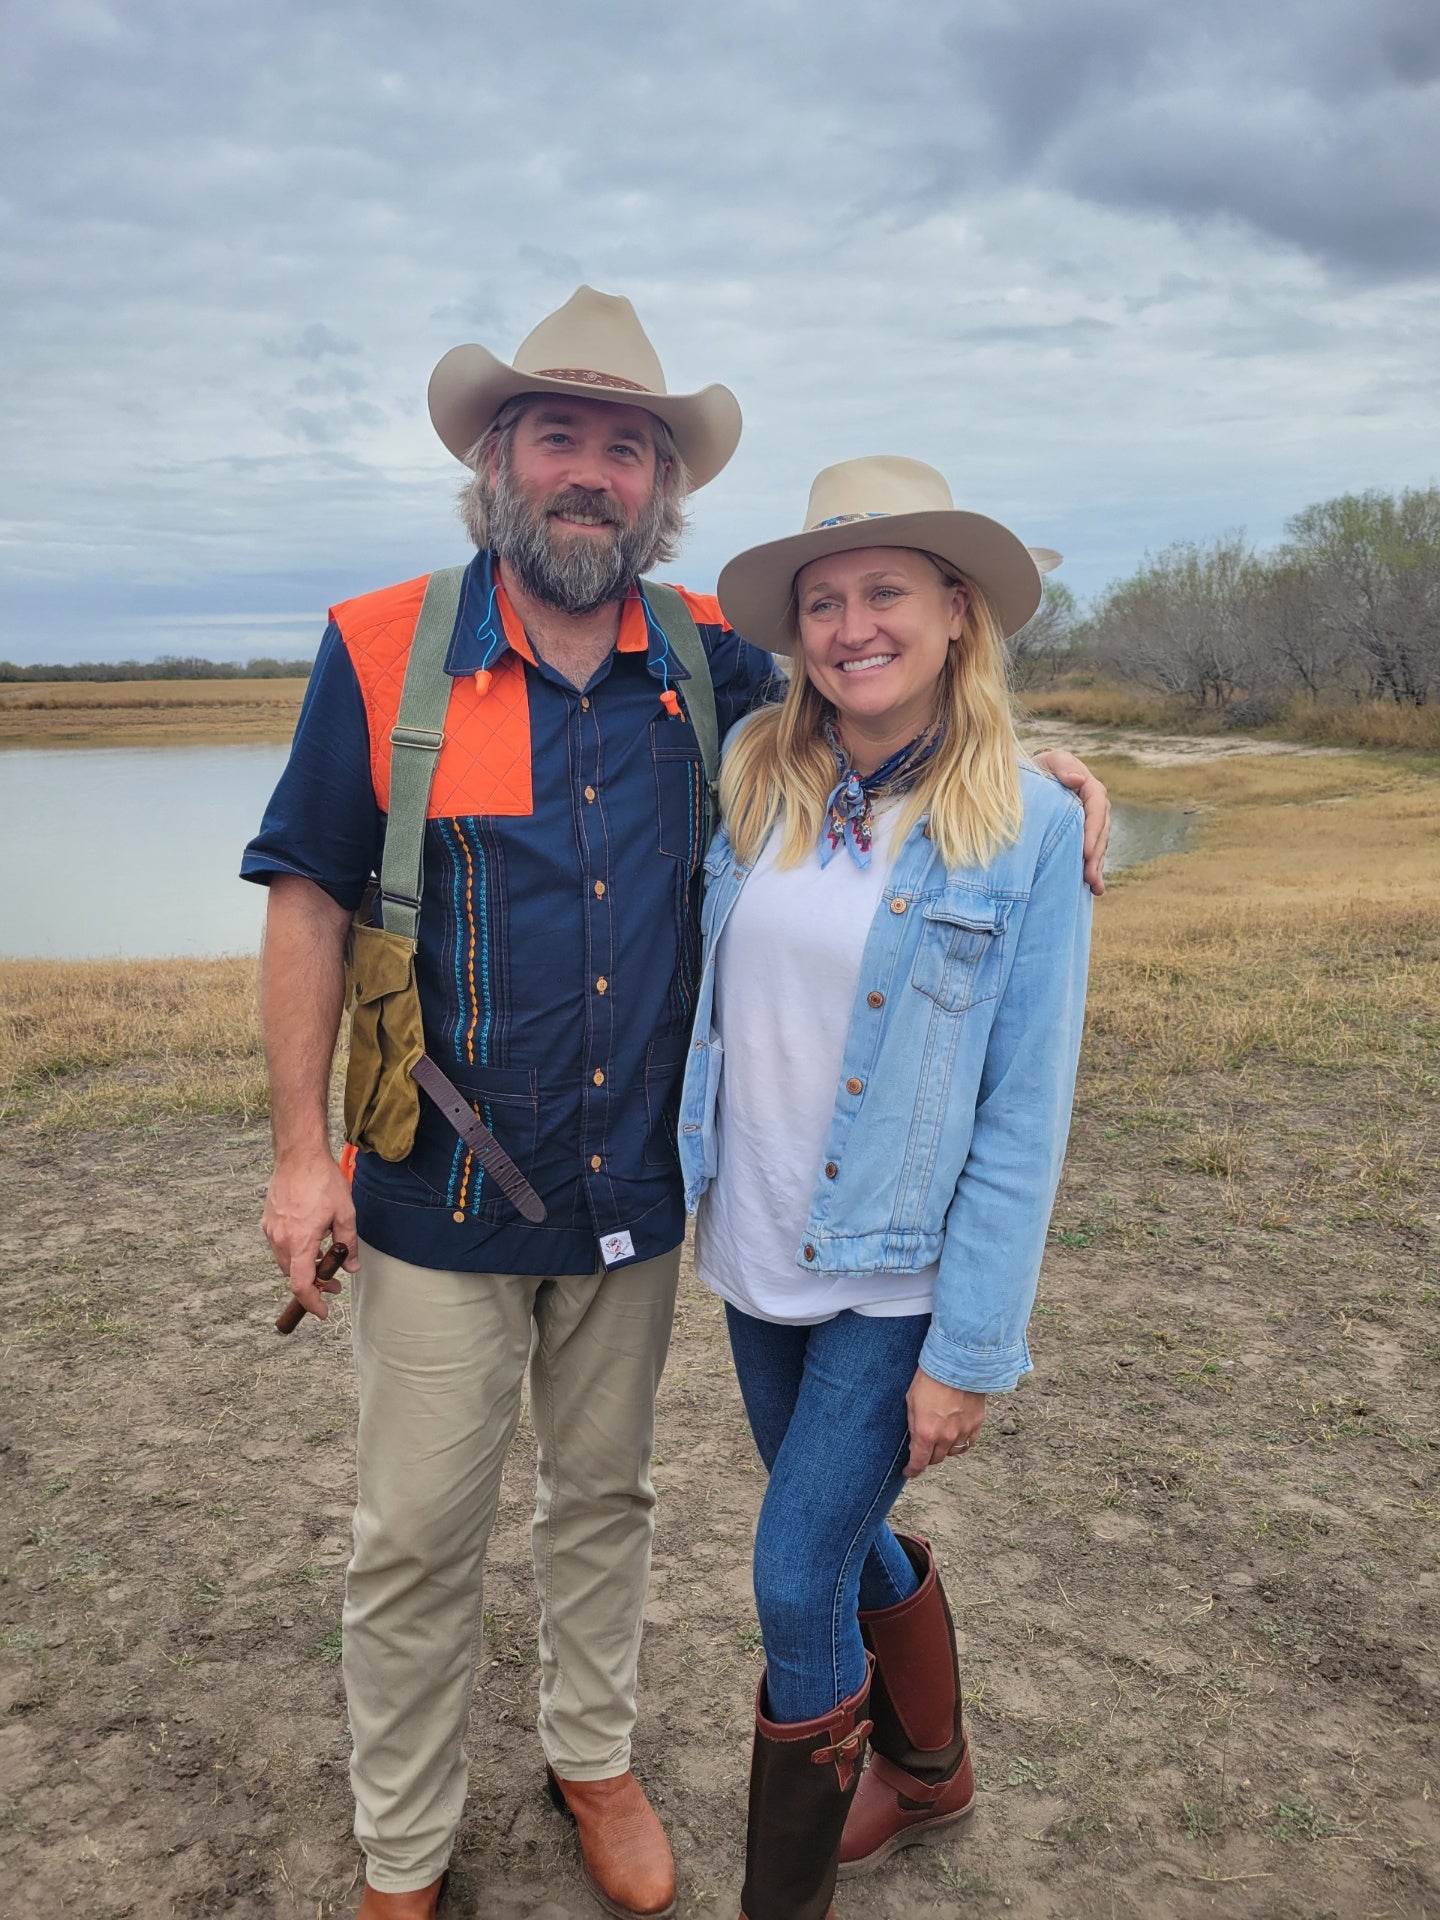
column 854, row 1086
column 876, row 999
column 831, row 1169
column 809, row 1253
column 898, row 905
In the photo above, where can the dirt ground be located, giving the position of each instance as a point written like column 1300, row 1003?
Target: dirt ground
column 1194, row 1559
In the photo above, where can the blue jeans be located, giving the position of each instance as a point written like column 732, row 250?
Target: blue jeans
column 827, row 1407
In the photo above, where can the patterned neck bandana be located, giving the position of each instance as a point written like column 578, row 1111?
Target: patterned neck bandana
column 850, row 810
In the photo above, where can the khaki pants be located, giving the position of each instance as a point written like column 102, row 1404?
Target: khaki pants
column 440, row 1358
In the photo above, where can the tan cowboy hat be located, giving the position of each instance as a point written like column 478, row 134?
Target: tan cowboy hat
column 594, row 346
column 884, row 501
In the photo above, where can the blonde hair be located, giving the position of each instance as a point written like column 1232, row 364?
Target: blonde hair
column 781, row 767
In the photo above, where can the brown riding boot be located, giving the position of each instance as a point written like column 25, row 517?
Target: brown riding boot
column 625, row 1856
column 419, row 1905
column 919, row 1781
column 802, row 1780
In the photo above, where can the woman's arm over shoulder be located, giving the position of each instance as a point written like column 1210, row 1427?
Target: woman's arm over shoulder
column 997, row 1222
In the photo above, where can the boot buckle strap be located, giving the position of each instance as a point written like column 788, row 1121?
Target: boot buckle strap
column 914, row 1796
column 844, row 1754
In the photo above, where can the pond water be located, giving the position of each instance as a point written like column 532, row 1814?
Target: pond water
column 133, row 851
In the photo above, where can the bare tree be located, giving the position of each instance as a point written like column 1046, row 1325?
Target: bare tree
column 1375, row 563
column 1184, row 624
column 1046, row 644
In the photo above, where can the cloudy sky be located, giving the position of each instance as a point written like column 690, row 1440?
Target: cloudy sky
column 1126, row 272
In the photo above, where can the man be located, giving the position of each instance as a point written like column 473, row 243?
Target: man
column 556, row 967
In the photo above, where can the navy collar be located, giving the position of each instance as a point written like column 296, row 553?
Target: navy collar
column 479, row 640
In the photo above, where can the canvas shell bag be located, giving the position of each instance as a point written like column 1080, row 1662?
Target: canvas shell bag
column 382, row 1102
column 387, row 1033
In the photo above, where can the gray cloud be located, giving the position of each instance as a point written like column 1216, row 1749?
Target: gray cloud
column 1124, row 272
column 1316, row 122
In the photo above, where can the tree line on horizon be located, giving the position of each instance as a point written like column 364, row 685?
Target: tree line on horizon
column 169, row 666
column 1346, row 608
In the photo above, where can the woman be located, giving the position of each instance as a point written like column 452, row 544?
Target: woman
column 896, row 935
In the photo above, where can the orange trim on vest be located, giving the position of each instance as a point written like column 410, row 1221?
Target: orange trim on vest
column 484, row 765
column 704, row 607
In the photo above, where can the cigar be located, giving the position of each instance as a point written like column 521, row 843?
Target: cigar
column 326, row 1267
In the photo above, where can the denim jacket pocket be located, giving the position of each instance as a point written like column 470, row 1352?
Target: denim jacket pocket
column 958, row 961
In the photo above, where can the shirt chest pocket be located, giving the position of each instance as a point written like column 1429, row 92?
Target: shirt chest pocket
column 679, row 790
column 957, row 963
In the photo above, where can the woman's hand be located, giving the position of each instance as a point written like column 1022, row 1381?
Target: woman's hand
column 943, row 1420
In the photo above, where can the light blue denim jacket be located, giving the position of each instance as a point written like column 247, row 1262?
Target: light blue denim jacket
column 954, row 1099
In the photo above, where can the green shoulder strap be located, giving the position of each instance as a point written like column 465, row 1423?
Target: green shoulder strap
column 415, row 743
column 698, row 692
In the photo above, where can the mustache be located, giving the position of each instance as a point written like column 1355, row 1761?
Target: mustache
column 576, row 503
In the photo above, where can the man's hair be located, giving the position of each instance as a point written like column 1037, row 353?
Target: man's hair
column 493, row 448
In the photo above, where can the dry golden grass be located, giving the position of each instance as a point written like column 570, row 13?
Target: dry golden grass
column 147, row 713
column 1109, row 706
column 117, row 1043
column 1304, row 925
column 1338, row 723
column 1368, row 723
column 1302, row 928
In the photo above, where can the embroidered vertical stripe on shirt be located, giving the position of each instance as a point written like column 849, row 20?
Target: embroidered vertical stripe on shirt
column 456, row 923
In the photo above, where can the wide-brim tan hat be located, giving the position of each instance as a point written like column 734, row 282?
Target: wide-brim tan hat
column 884, row 501
column 595, row 346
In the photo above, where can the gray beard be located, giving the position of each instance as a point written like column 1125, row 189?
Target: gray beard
column 572, row 576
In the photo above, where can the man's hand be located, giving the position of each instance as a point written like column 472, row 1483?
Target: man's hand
column 943, row 1420
column 302, row 980
column 308, row 1198
column 1091, row 794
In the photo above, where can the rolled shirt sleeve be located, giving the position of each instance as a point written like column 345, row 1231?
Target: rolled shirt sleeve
column 322, row 821
column 997, row 1222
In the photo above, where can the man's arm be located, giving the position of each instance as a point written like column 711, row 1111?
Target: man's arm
column 302, row 987
column 1090, row 792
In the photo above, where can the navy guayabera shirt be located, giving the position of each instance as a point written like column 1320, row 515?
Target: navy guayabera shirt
column 558, row 932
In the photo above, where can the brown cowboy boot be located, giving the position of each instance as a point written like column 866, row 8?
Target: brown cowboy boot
column 624, row 1854
column 920, row 1780
column 802, row 1780
column 422, row 1904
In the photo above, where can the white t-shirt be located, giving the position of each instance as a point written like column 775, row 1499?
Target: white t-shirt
column 787, row 969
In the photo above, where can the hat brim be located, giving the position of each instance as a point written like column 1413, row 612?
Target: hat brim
column 469, row 387
column 755, row 587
